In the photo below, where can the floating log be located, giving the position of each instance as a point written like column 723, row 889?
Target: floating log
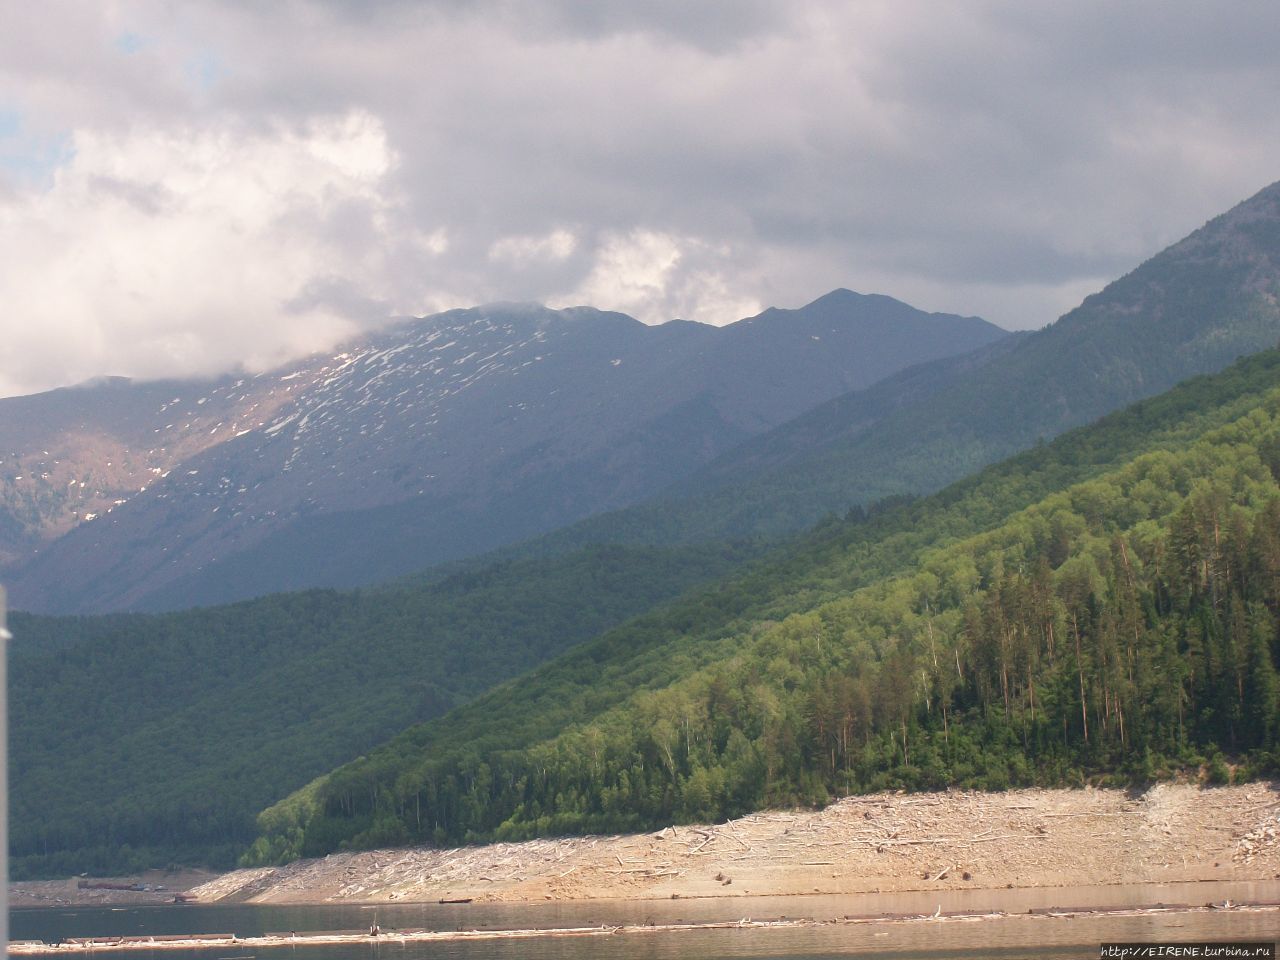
column 197, row 942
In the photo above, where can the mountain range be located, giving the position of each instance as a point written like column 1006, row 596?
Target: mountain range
column 1193, row 308
column 790, row 670
column 436, row 439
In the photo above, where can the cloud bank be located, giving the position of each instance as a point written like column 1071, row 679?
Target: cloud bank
column 187, row 189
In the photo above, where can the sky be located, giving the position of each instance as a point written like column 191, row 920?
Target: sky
column 200, row 187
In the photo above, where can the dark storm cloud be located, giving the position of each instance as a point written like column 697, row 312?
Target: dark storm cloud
column 669, row 159
column 714, row 25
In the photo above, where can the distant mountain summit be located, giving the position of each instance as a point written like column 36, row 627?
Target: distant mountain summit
column 1191, row 309
column 434, row 439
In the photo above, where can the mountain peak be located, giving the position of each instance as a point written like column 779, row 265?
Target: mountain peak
column 849, row 309
column 843, row 295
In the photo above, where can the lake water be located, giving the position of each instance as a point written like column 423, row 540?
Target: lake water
column 1009, row 937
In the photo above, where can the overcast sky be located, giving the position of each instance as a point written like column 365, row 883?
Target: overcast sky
column 190, row 187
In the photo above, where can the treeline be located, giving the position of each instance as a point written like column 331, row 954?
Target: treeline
column 1123, row 626
column 141, row 740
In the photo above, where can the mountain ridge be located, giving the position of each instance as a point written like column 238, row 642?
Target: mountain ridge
column 529, row 416
column 1190, row 309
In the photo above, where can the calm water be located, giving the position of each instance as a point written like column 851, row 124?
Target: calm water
column 1016, row 936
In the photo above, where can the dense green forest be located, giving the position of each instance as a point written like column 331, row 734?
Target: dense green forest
column 138, row 740
column 1104, row 605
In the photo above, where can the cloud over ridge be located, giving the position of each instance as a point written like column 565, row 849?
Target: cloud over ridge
column 185, row 189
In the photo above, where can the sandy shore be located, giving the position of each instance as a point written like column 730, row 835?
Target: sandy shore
column 876, row 843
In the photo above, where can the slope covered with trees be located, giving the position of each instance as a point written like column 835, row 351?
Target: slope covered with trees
column 1105, row 605
column 139, row 739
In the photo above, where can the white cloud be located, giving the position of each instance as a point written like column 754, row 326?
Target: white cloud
column 655, row 276
column 631, row 273
column 178, row 252
column 553, row 247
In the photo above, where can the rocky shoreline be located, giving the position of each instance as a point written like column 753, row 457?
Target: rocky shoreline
column 876, row 843
column 886, row 842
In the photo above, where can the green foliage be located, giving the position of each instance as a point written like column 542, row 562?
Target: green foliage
column 140, row 740
column 1104, row 606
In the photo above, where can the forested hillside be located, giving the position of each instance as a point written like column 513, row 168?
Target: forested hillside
column 1105, row 605
column 137, row 740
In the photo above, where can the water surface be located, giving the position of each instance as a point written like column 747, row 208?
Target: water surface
column 1009, row 937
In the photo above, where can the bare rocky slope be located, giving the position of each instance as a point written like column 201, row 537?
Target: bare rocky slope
column 881, row 842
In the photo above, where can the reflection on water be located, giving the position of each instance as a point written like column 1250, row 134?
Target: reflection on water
column 1013, row 936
